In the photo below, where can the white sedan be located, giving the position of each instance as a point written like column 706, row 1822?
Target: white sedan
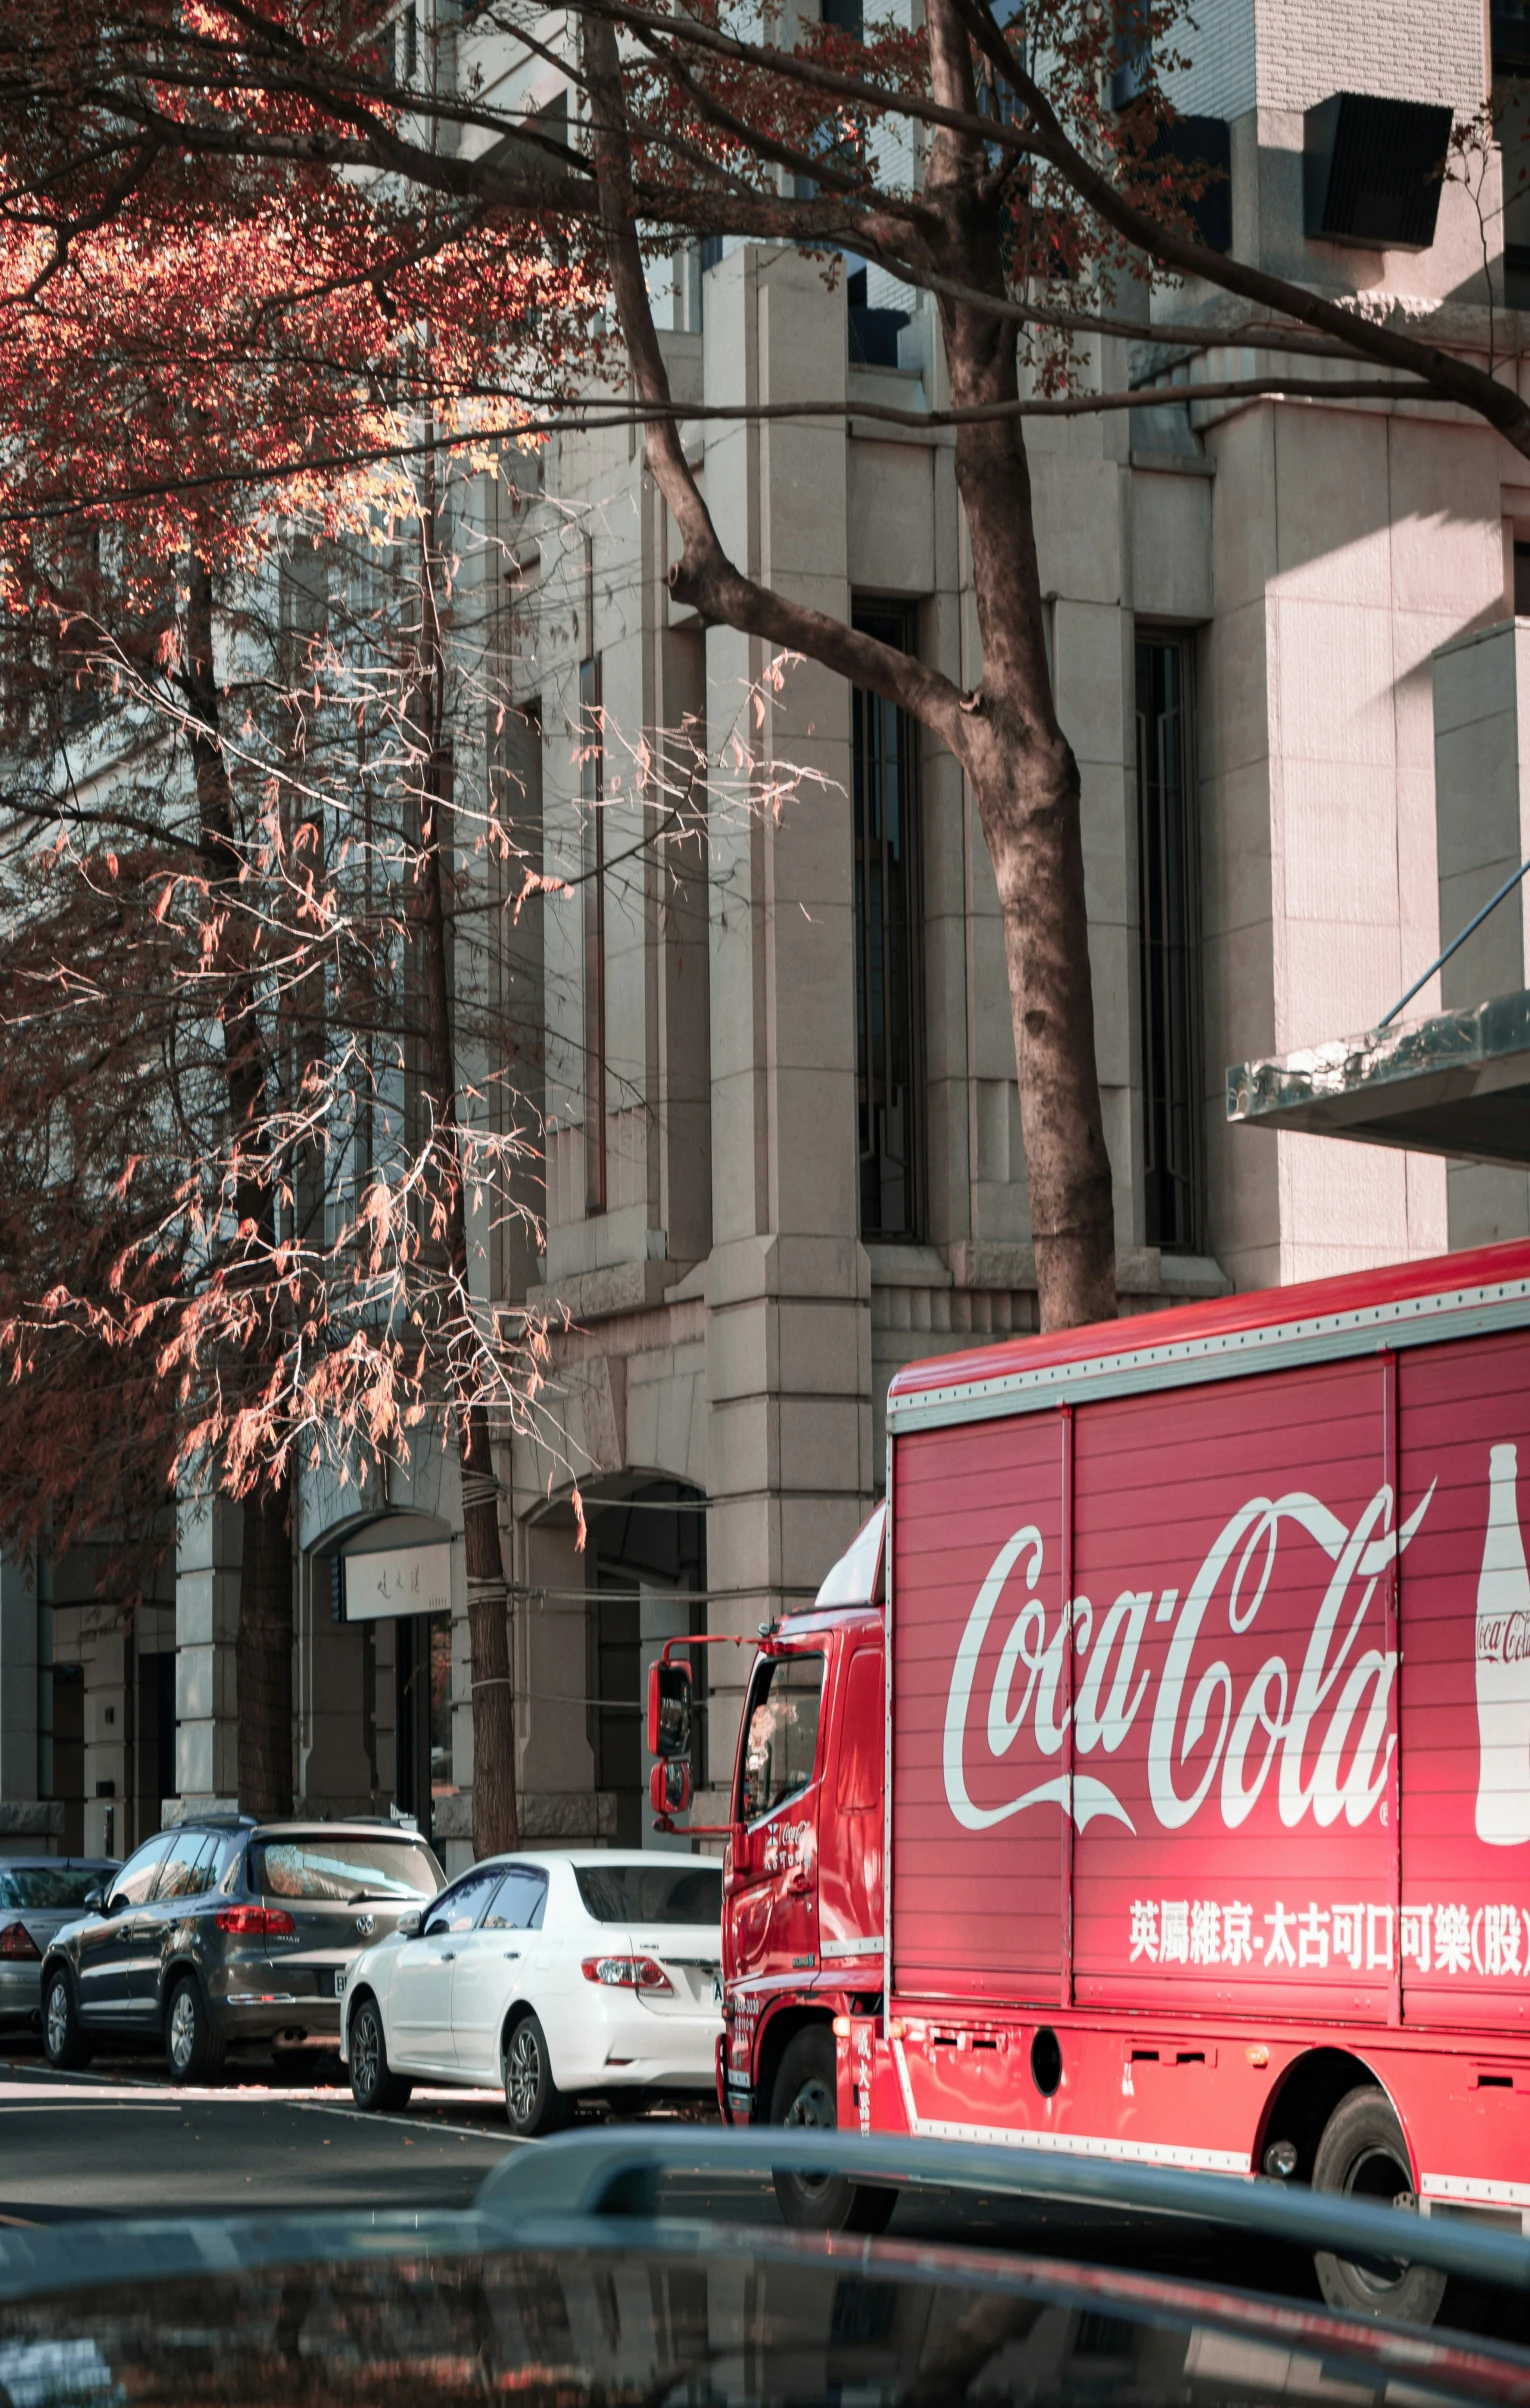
column 553, row 1974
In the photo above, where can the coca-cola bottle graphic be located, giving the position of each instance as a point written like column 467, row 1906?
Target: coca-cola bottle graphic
column 1503, row 1664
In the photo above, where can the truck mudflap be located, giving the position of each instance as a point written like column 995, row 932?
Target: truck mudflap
column 735, row 2090
column 870, row 2096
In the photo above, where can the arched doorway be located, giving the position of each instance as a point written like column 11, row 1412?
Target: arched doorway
column 646, row 1579
column 387, row 1640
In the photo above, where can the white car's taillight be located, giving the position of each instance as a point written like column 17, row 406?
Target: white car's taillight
column 627, row 1973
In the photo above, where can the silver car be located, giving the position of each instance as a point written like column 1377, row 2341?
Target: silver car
column 38, row 1896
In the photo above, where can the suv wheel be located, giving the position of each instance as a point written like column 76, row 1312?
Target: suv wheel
column 64, row 2042
column 374, row 2085
column 805, row 2096
column 193, row 2050
column 1363, row 2155
column 533, row 2102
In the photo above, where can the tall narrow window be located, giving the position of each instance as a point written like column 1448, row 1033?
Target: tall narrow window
column 1170, row 946
column 592, row 747
column 887, row 929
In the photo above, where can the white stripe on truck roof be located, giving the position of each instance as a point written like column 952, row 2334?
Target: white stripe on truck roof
column 1228, row 1354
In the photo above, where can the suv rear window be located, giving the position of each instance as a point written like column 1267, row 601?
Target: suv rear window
column 50, row 1885
column 343, row 1867
column 691, row 1893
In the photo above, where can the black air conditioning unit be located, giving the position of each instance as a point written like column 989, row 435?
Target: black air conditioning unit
column 1373, row 170
column 1203, row 144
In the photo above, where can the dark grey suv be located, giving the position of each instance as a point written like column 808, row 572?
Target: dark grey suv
column 220, row 1933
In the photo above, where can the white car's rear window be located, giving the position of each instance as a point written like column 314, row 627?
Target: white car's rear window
column 687, row 1893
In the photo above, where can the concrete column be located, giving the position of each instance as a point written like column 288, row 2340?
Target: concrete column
column 788, row 1281
column 209, row 1550
column 1482, row 834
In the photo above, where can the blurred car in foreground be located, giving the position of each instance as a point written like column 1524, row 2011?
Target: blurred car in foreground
column 553, row 1974
column 600, row 2277
column 38, row 1896
column 225, row 1933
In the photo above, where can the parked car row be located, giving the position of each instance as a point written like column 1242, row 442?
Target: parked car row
column 227, row 1933
column 552, row 1974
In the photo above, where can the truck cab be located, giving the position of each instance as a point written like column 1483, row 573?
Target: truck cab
column 802, row 1884
column 802, row 1875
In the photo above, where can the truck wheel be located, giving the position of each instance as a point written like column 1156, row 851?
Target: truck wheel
column 805, row 2094
column 1363, row 2155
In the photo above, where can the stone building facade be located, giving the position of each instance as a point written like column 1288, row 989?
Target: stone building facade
column 773, row 1048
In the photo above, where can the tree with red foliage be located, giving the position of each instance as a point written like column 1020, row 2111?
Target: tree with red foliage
column 246, row 203
column 200, row 1009
column 246, row 1098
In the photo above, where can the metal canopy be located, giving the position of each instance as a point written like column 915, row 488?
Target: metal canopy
column 1458, row 1083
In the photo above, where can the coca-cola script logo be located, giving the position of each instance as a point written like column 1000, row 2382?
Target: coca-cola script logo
column 1325, row 1728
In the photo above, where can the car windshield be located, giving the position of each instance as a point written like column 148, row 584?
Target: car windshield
column 342, row 1867
column 762, row 2323
column 687, row 1892
column 55, row 1886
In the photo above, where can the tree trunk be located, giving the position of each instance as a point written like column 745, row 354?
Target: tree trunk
column 263, row 1653
column 1005, row 735
column 496, row 1825
column 1021, row 765
column 496, row 1822
column 263, row 1648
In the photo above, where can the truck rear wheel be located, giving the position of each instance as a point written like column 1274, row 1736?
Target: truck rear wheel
column 1363, row 2155
column 805, row 2094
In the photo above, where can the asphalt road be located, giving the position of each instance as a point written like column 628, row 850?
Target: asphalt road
column 119, row 2141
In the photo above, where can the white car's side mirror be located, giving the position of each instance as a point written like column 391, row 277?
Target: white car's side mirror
column 409, row 1923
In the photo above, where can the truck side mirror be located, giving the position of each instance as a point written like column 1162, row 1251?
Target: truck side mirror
column 669, row 1710
column 669, row 1786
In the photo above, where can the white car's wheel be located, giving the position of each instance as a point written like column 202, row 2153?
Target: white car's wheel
column 374, row 2085
column 533, row 2102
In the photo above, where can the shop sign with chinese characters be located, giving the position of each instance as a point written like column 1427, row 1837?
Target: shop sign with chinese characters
column 399, row 1580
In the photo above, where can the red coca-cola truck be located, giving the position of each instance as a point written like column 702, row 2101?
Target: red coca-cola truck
column 1155, row 1785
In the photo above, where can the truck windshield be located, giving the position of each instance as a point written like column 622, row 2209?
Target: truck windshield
column 781, row 1735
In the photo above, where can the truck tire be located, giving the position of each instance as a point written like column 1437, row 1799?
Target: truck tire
column 805, row 2093
column 1363, row 2155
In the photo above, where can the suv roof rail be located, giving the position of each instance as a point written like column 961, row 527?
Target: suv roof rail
column 213, row 1822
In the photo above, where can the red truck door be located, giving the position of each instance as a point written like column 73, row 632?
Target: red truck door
column 773, row 1895
column 850, row 1831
